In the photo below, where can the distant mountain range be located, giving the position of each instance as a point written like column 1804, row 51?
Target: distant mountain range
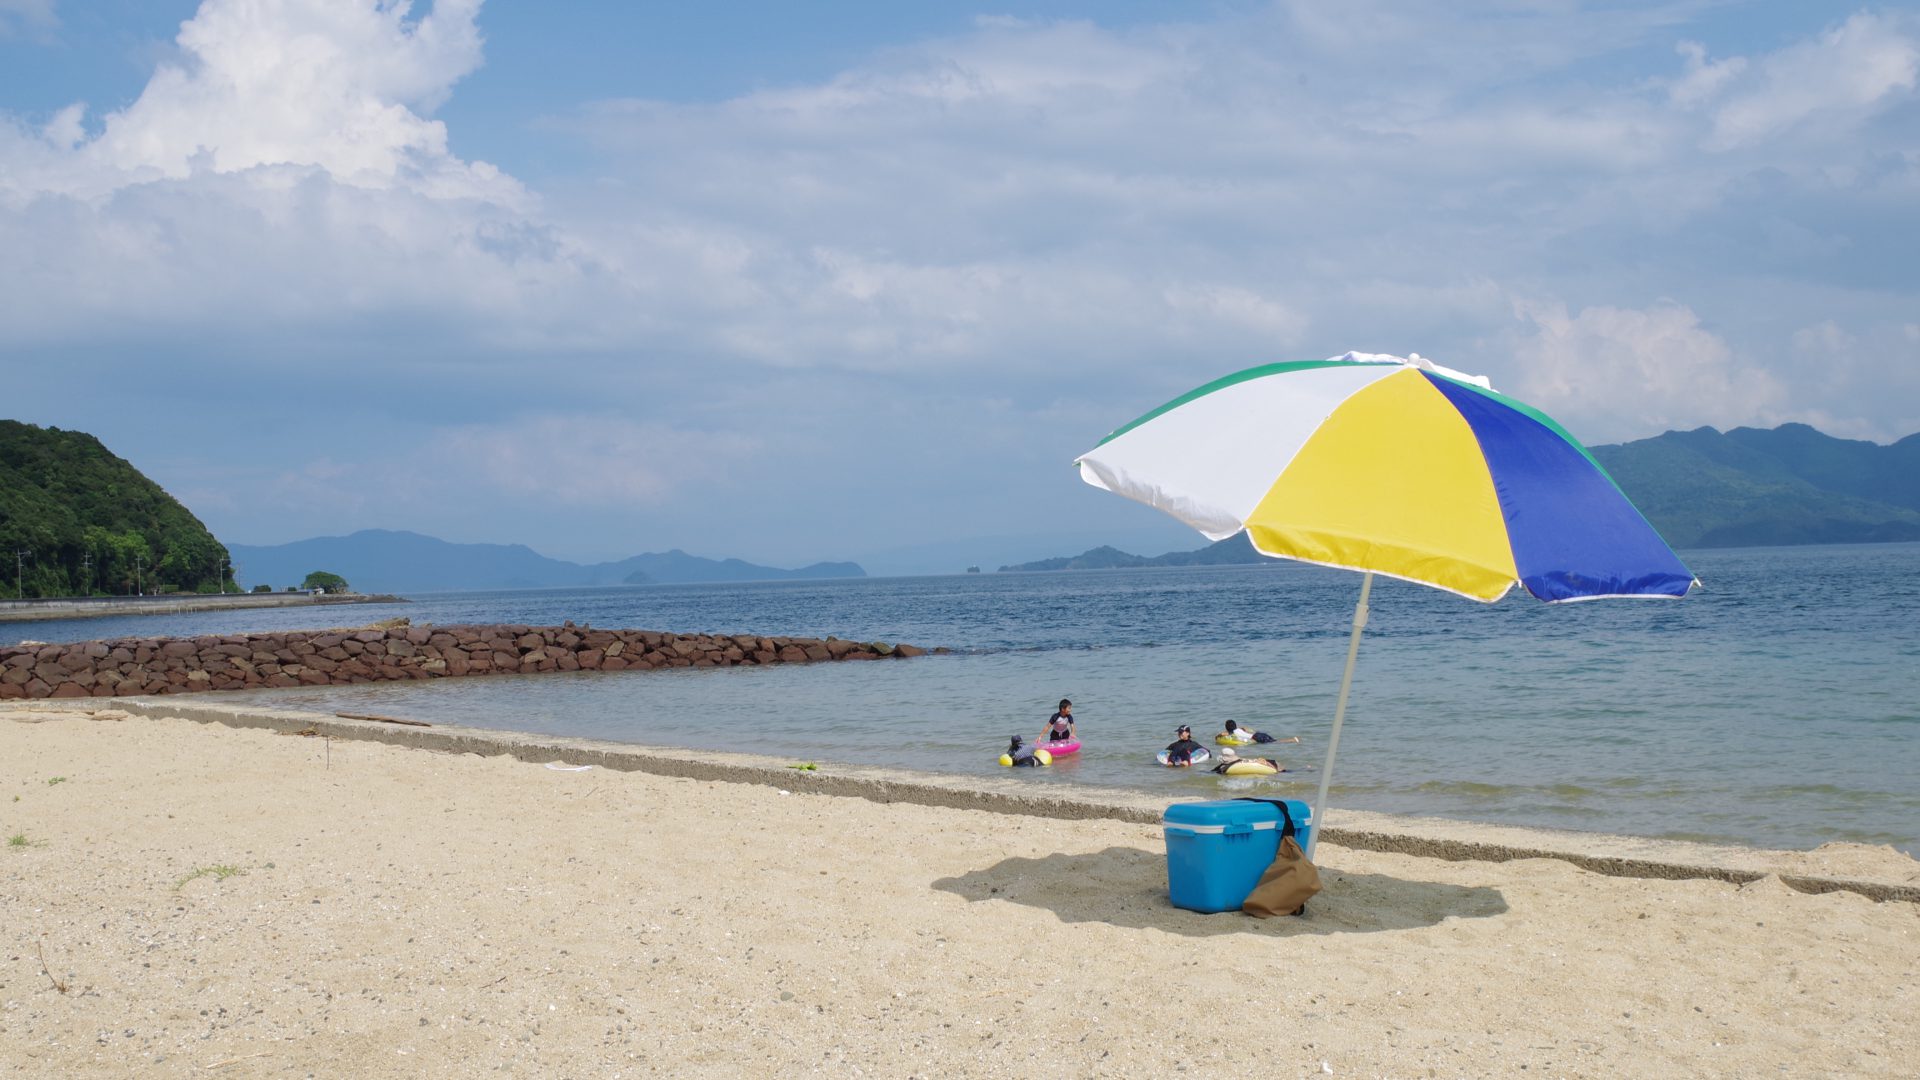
column 380, row 560
column 1749, row 487
column 1752, row 487
column 1234, row 549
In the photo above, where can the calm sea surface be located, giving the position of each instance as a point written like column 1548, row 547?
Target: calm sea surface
column 1779, row 707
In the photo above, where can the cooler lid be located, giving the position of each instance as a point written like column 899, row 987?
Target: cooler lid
column 1221, row 812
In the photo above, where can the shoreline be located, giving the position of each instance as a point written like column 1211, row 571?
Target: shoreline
column 93, row 607
column 189, row 898
column 1878, row 873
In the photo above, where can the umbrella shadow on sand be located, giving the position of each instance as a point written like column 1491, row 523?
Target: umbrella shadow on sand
column 1124, row 886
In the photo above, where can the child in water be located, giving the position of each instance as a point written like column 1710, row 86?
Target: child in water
column 1243, row 732
column 1181, row 752
column 1060, row 725
column 1020, row 755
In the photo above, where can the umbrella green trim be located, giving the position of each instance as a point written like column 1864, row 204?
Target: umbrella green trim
column 1225, row 381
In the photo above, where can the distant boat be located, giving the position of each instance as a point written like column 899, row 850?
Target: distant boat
column 973, row 569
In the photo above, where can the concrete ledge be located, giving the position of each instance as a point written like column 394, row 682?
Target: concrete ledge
column 1615, row 856
column 90, row 607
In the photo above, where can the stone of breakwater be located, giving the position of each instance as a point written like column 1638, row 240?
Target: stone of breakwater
column 133, row 666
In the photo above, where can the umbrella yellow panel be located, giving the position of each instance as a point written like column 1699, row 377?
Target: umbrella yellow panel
column 1393, row 481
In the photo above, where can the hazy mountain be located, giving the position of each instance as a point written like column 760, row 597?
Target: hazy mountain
column 1232, row 551
column 380, row 560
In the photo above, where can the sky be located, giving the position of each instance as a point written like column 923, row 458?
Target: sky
column 858, row 280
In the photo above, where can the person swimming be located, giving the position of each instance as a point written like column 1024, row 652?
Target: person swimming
column 1021, row 754
column 1182, row 750
column 1242, row 733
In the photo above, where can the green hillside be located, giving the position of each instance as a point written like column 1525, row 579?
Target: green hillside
column 1753, row 487
column 75, row 520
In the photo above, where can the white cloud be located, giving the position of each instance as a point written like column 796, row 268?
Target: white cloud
column 1609, row 373
column 339, row 86
column 282, row 177
column 1835, row 80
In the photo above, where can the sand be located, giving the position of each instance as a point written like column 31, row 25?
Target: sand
column 236, row 903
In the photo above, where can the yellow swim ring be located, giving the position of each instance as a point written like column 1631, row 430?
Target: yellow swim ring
column 1248, row 767
column 1224, row 739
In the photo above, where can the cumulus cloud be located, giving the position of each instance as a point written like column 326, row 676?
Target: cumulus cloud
column 281, row 175
column 1628, row 371
column 341, row 87
column 273, row 83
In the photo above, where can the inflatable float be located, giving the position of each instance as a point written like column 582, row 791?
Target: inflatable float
column 1200, row 757
column 1224, row 739
column 1040, row 757
column 1061, row 748
column 1245, row 767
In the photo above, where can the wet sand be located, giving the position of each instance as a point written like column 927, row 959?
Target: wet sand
column 220, row 902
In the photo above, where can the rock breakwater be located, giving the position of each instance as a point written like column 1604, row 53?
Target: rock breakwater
column 135, row 666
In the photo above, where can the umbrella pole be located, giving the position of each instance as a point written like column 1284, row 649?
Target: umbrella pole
column 1339, row 714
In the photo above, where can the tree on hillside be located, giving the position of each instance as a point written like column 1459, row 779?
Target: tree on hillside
column 325, row 582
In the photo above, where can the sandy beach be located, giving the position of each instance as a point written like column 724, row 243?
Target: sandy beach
column 208, row 901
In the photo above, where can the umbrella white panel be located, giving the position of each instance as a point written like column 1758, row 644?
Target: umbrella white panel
column 1211, row 460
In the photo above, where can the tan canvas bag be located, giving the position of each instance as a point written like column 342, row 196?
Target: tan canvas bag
column 1289, row 883
column 1286, row 886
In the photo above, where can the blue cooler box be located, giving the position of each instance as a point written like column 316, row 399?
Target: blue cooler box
column 1216, row 851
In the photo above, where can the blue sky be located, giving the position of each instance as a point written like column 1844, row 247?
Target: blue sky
column 797, row 282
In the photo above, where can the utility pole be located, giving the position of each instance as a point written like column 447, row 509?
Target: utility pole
column 220, row 575
column 137, row 586
column 86, row 573
column 20, row 572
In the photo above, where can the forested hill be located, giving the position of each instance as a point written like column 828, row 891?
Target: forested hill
column 76, row 520
column 1755, row 487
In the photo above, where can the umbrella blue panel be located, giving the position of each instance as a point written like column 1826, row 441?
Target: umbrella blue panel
column 1574, row 535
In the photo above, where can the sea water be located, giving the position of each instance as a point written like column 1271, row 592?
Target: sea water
column 1778, row 706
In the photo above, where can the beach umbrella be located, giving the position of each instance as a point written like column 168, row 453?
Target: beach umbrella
column 1394, row 466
